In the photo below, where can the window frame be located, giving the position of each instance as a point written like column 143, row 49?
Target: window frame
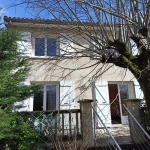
column 44, row 96
column 45, row 47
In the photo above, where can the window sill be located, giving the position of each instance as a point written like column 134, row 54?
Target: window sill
column 50, row 57
column 44, row 57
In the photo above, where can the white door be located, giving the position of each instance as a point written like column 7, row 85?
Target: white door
column 102, row 105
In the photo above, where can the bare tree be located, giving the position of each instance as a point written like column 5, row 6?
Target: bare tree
column 117, row 30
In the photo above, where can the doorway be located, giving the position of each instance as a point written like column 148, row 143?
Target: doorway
column 114, row 104
column 118, row 93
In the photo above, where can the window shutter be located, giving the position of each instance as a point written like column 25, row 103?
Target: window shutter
column 66, row 44
column 25, row 45
column 138, row 91
column 22, row 105
column 102, row 101
column 134, row 48
column 66, row 95
column 96, row 46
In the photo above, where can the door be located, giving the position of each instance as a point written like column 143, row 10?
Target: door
column 114, row 104
column 102, row 105
column 118, row 93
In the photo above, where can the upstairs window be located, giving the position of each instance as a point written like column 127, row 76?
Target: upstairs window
column 45, row 47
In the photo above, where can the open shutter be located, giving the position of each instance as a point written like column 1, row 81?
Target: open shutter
column 24, row 104
column 97, row 46
column 103, row 105
column 138, row 91
column 21, row 106
column 133, row 47
column 66, row 95
column 66, row 44
column 25, row 46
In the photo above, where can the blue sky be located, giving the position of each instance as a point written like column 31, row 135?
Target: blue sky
column 9, row 8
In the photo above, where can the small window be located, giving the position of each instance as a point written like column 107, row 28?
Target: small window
column 45, row 47
column 46, row 98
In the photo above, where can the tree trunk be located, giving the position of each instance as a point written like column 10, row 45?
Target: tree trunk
column 145, row 87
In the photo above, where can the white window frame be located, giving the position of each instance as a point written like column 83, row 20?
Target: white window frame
column 44, row 95
column 45, row 47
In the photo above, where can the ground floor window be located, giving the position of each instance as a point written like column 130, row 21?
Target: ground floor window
column 47, row 98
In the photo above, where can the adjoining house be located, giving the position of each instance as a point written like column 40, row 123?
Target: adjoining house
column 50, row 46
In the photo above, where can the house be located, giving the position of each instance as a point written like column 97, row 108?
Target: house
column 65, row 77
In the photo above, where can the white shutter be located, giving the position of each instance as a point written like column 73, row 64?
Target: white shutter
column 66, row 44
column 22, row 105
column 134, row 48
column 138, row 91
column 103, row 104
column 66, row 95
column 25, row 45
column 96, row 46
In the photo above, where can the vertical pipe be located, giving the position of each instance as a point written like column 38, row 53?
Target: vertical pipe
column 62, row 124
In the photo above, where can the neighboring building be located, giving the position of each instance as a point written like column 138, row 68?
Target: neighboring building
column 48, row 42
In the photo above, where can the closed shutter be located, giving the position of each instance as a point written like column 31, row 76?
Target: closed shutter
column 138, row 91
column 24, row 104
column 66, row 44
column 103, row 105
column 66, row 95
column 25, row 45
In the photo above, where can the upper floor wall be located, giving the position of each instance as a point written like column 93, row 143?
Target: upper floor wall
column 62, row 51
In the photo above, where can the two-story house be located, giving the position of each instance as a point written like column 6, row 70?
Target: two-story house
column 66, row 75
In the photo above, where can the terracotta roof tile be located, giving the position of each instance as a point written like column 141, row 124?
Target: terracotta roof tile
column 42, row 21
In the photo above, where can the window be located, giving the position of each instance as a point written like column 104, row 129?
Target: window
column 47, row 98
column 45, row 47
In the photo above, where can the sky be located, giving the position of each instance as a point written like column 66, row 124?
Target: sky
column 12, row 10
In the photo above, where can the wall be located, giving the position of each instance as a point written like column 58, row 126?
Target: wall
column 71, row 69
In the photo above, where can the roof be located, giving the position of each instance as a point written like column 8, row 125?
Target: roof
column 42, row 21
column 34, row 22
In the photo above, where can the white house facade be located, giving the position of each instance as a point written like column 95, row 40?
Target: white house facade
column 50, row 50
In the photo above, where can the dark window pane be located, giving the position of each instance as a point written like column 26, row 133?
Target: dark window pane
column 123, row 92
column 39, row 46
column 38, row 101
column 51, row 97
column 51, row 47
column 123, row 95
